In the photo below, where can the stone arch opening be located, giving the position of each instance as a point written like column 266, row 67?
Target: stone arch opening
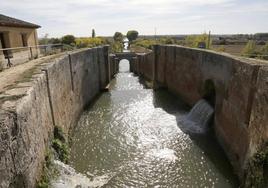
column 124, row 65
column 209, row 92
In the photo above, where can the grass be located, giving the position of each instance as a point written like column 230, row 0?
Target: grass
column 59, row 149
column 49, row 171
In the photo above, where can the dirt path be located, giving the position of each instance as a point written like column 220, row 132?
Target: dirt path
column 12, row 75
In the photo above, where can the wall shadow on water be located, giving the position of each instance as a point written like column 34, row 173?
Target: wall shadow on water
column 207, row 142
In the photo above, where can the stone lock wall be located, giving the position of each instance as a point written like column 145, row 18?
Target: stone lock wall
column 241, row 88
column 55, row 96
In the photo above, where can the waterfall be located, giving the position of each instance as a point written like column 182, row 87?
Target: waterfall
column 197, row 120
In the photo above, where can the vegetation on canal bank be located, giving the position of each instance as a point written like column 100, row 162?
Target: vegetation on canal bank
column 59, row 149
column 253, row 46
column 257, row 170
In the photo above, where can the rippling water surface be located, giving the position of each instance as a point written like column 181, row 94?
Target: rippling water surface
column 130, row 137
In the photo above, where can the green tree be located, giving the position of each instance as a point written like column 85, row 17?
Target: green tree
column 250, row 49
column 54, row 41
column 93, row 35
column 132, row 35
column 118, row 37
column 68, row 39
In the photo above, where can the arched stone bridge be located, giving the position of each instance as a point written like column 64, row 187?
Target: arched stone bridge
column 130, row 56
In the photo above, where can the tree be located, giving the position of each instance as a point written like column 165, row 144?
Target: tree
column 54, row 41
column 68, row 39
column 132, row 35
column 250, row 49
column 93, row 33
column 118, row 37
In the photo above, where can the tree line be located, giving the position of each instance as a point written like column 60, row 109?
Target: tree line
column 116, row 42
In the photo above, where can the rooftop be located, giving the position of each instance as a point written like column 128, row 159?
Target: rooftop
column 13, row 22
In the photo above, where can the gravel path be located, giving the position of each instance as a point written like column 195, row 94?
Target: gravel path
column 10, row 76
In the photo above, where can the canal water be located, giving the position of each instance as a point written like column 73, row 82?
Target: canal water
column 131, row 137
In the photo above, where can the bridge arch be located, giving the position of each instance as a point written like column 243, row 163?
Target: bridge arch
column 124, row 65
column 130, row 56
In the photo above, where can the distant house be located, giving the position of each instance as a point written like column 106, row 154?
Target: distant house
column 15, row 33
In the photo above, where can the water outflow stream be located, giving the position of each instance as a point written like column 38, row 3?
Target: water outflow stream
column 132, row 137
column 198, row 119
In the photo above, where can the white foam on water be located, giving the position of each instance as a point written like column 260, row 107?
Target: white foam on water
column 165, row 154
column 69, row 178
column 197, row 120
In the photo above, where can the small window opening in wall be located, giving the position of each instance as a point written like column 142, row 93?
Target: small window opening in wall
column 24, row 40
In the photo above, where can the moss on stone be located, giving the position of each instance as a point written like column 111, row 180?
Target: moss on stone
column 62, row 150
column 257, row 169
column 60, row 145
column 49, row 171
column 59, row 134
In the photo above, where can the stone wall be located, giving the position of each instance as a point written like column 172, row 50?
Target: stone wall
column 241, row 111
column 55, row 96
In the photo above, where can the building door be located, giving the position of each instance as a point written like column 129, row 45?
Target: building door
column 3, row 44
column 4, row 39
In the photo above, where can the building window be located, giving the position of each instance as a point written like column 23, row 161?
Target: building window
column 24, row 40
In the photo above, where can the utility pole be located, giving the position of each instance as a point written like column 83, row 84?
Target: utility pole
column 208, row 40
column 155, row 29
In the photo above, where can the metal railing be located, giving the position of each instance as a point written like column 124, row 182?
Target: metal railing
column 12, row 56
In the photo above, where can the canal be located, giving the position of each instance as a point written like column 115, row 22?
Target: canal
column 131, row 137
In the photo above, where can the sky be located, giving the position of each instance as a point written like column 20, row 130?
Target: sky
column 79, row 17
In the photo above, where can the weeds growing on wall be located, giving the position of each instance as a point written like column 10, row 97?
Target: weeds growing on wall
column 257, row 169
column 49, row 171
column 60, row 145
column 60, row 150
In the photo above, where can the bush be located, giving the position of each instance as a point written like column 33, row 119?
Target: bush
column 118, row 37
column 250, row 49
column 146, row 43
column 117, row 47
column 193, row 41
column 90, row 42
column 68, row 39
column 61, row 149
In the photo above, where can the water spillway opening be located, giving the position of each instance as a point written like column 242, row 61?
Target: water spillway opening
column 131, row 137
column 200, row 118
column 197, row 121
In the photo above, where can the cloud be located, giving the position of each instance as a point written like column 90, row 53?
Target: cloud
column 59, row 17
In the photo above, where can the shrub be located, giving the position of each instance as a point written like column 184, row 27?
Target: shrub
column 61, row 149
column 264, row 51
column 118, row 37
column 250, row 49
column 68, row 39
column 90, row 42
column 194, row 40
